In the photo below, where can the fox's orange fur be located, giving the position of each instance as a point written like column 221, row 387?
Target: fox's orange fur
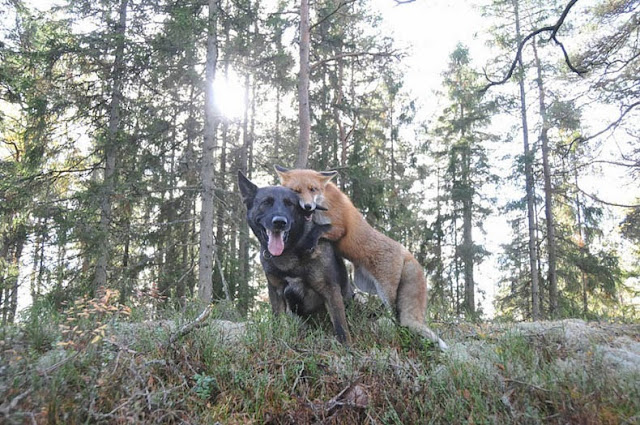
column 382, row 265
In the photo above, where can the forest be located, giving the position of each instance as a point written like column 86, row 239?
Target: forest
column 124, row 124
column 119, row 153
column 122, row 135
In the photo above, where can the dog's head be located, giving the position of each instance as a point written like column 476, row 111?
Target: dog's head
column 273, row 213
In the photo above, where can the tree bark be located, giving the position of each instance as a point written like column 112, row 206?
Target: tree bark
column 243, row 242
column 111, row 151
column 529, row 182
column 582, row 244
column 207, row 247
column 467, row 236
column 548, row 200
column 304, row 113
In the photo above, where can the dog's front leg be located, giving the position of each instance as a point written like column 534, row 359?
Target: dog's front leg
column 276, row 294
column 335, row 306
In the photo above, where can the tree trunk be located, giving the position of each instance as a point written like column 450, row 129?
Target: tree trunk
column 304, row 113
column 205, row 270
column 277, row 136
column 582, row 244
column 221, row 248
column 337, row 103
column 13, row 282
column 548, row 206
column 529, row 182
column 243, row 242
column 111, row 151
column 467, row 236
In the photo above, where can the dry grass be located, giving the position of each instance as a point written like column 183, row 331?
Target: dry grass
column 283, row 372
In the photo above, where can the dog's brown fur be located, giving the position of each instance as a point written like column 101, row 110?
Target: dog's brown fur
column 382, row 265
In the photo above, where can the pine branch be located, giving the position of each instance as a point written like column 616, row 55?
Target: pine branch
column 554, row 31
column 611, row 126
column 611, row 204
column 330, row 14
column 393, row 54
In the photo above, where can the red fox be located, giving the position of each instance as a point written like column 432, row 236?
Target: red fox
column 382, row 265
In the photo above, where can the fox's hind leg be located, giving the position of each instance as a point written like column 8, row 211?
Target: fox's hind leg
column 411, row 303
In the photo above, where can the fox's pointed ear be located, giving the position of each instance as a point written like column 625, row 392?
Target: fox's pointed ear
column 282, row 172
column 247, row 189
column 326, row 176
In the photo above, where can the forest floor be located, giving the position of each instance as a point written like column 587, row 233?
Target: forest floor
column 105, row 366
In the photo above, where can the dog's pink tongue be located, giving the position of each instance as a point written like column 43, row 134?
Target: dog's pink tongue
column 276, row 244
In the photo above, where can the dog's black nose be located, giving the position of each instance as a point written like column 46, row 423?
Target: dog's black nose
column 308, row 207
column 279, row 222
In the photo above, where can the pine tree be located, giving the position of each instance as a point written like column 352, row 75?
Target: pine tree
column 467, row 169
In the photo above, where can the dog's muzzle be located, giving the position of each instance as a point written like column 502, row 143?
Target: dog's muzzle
column 277, row 235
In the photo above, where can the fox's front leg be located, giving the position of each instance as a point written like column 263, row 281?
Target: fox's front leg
column 335, row 232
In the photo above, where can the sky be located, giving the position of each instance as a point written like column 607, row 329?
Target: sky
column 430, row 30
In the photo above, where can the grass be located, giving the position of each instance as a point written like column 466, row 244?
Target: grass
column 283, row 371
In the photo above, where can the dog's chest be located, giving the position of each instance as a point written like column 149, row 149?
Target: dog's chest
column 287, row 265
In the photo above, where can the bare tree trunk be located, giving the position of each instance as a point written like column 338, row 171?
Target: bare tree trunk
column 467, row 237
column 456, row 263
column 277, row 136
column 14, row 274
column 111, row 151
column 582, row 244
column 548, row 206
column 242, row 287
column 529, row 182
column 339, row 98
column 304, row 112
column 217, row 291
column 207, row 247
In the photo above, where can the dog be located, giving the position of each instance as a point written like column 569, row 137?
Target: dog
column 304, row 273
column 382, row 265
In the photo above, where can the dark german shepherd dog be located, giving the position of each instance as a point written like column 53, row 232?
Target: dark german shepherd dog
column 303, row 272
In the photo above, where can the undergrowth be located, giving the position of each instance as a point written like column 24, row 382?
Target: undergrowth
column 113, row 369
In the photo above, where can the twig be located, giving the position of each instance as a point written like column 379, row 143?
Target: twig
column 57, row 365
column 197, row 323
column 330, row 14
column 225, row 285
column 612, row 204
column 526, row 384
column 14, row 402
column 611, row 126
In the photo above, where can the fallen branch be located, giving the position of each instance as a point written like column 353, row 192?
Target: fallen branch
column 197, row 323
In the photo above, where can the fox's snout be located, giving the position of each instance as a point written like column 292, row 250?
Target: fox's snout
column 307, row 206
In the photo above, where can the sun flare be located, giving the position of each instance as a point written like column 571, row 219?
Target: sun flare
column 229, row 94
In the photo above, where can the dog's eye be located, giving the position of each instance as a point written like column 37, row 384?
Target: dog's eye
column 287, row 202
column 297, row 190
column 267, row 202
column 312, row 189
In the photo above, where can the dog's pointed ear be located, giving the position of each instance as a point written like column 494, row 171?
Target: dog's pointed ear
column 282, row 172
column 247, row 189
column 326, row 176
